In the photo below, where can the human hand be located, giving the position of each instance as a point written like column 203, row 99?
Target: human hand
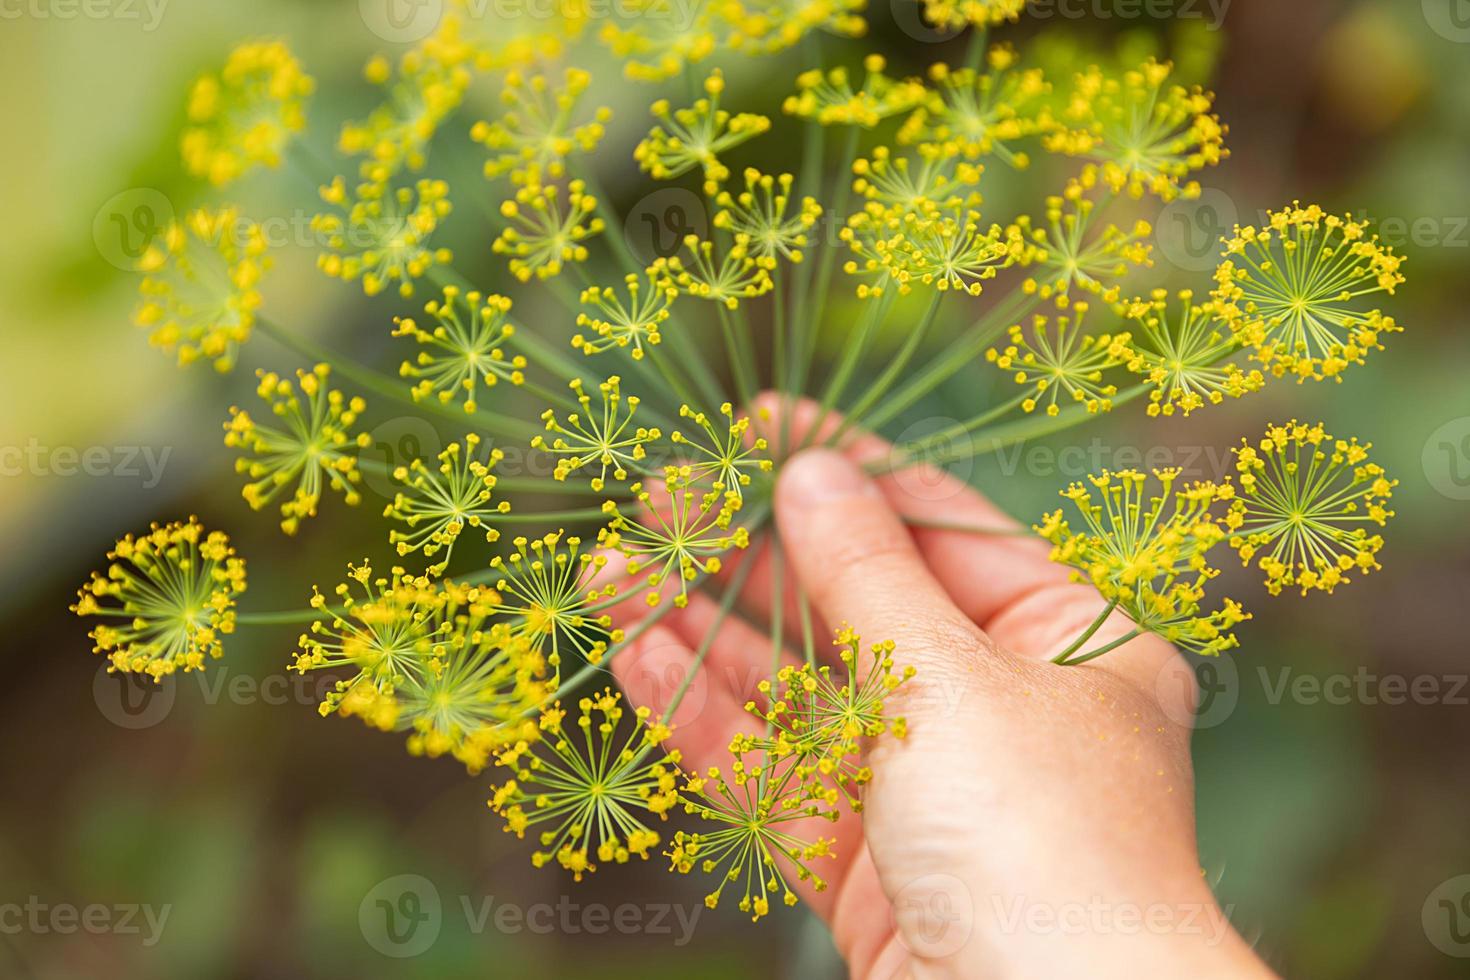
column 1037, row 821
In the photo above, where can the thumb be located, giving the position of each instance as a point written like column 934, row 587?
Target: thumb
column 858, row 564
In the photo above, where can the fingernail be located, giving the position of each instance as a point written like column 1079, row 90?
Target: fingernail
column 819, row 476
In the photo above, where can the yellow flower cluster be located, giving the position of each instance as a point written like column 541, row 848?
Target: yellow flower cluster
column 167, row 598
column 1307, row 507
column 438, row 503
column 1290, row 290
column 1058, row 356
column 532, row 140
column 694, row 137
column 590, row 786
column 244, row 116
column 313, row 446
column 380, row 234
column 201, row 286
column 464, row 350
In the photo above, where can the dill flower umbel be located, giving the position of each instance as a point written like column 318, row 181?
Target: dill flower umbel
column 536, row 135
column 201, row 285
column 395, row 136
column 315, row 446
column 1148, row 556
column 169, row 596
column 243, row 117
column 694, row 137
column 829, row 98
column 547, row 588
column 723, row 449
column 956, row 14
column 381, row 237
column 983, row 113
column 758, row 216
column 754, row 839
column 1307, row 507
column 592, row 787
column 1147, row 135
column 1057, row 355
column 438, row 503
column 725, row 276
column 606, row 439
column 1183, row 355
column 628, row 325
column 548, row 229
column 1289, row 289
column 1075, row 253
column 464, row 350
column 822, row 720
column 682, row 534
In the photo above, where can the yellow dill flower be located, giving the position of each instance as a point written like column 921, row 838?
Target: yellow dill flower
column 770, row 26
column 978, row 114
column 466, row 36
column 1290, row 290
column 438, row 503
column 396, row 134
column 606, row 439
column 315, row 444
column 684, row 139
column 170, row 595
column 933, row 178
column 1060, row 356
column 532, row 140
column 1184, row 355
column 748, row 841
column 952, row 249
column 822, row 720
column 735, row 275
column 680, row 535
column 480, row 684
column 465, row 348
column 1148, row 553
column 958, row 14
column 724, row 449
column 1077, row 255
column 758, row 215
column 1147, row 135
column 874, row 236
column 201, row 285
column 382, row 628
column 1306, row 507
column 546, row 586
column 382, row 235
column 627, row 325
column 655, row 46
column 829, row 98
column 591, row 790
column 547, row 231
column 243, row 117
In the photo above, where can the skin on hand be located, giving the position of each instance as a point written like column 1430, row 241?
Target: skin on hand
column 1037, row 821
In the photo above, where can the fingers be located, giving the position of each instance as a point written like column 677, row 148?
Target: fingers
column 858, row 564
column 1018, row 562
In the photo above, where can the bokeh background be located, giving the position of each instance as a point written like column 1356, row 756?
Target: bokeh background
column 1333, row 823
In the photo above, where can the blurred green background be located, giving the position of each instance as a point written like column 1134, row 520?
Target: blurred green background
column 1328, row 822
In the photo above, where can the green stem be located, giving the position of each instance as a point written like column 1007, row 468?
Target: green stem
column 1105, row 648
column 960, row 527
column 1087, row 634
column 895, row 367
